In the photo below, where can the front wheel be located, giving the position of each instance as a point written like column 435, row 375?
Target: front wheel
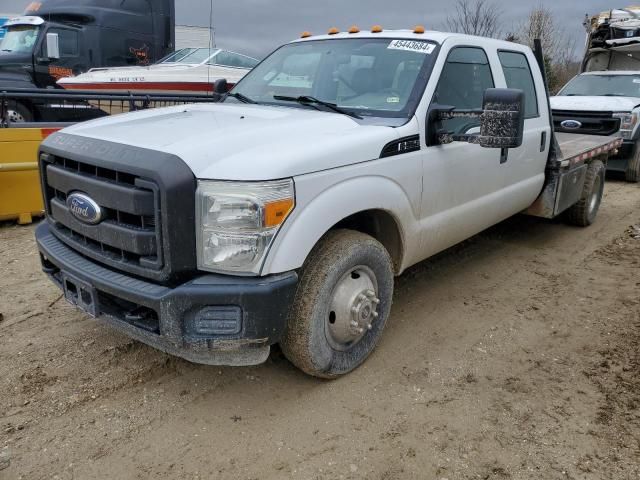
column 341, row 305
column 585, row 211
column 18, row 113
column 633, row 167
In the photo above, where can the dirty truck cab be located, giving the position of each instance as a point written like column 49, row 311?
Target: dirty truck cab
column 283, row 214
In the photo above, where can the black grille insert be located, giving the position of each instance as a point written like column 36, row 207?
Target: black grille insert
column 592, row 123
column 129, row 235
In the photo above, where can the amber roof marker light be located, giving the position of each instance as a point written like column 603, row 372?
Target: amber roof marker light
column 306, row 34
column 333, row 31
column 419, row 29
column 354, row 29
column 376, row 29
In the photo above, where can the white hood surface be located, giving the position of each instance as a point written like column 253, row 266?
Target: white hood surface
column 594, row 104
column 245, row 142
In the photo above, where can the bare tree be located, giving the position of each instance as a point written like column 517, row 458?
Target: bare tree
column 475, row 17
column 558, row 47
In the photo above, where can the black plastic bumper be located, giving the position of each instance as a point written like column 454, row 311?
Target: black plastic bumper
column 252, row 312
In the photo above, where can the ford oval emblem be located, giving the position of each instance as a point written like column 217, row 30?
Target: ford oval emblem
column 84, row 208
column 571, row 124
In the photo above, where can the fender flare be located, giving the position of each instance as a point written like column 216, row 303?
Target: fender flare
column 312, row 220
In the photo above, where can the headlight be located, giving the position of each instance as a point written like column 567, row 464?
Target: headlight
column 238, row 221
column 628, row 122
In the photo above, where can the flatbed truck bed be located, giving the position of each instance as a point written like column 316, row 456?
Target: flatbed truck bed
column 567, row 168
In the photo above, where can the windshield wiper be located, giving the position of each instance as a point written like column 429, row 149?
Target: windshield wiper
column 241, row 97
column 307, row 100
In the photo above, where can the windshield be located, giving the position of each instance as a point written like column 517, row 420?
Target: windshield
column 603, row 85
column 370, row 77
column 19, row 39
column 193, row 56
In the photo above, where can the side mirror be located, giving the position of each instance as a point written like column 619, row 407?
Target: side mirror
column 502, row 121
column 221, row 86
column 52, row 47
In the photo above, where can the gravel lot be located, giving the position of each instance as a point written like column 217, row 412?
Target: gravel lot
column 513, row 356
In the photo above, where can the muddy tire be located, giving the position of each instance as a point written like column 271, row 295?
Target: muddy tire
column 633, row 167
column 18, row 113
column 585, row 211
column 341, row 305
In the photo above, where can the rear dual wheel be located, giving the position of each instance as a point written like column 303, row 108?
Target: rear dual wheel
column 585, row 211
column 341, row 305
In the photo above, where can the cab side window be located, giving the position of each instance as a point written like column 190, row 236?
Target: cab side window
column 517, row 73
column 68, row 41
column 464, row 79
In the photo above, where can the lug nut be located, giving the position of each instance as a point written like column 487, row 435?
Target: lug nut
column 354, row 323
column 370, row 327
column 375, row 314
column 361, row 330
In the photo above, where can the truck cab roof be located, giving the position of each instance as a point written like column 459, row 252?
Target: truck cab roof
column 429, row 35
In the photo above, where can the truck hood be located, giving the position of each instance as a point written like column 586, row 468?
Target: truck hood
column 245, row 142
column 595, row 104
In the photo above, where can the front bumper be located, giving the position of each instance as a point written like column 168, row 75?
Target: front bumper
column 169, row 318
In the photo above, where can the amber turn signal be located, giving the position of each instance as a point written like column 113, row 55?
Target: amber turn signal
column 277, row 212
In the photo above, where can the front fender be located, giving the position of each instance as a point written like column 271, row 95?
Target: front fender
column 319, row 209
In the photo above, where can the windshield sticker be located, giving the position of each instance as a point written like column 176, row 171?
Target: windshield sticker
column 636, row 80
column 393, row 100
column 412, row 46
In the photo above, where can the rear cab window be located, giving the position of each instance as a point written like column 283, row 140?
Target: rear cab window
column 517, row 73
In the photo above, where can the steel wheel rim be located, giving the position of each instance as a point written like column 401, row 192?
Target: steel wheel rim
column 595, row 195
column 353, row 309
column 15, row 117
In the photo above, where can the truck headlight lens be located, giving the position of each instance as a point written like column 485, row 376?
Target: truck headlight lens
column 628, row 121
column 238, row 221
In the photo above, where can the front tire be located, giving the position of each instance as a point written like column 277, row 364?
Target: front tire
column 633, row 167
column 18, row 113
column 341, row 306
column 585, row 211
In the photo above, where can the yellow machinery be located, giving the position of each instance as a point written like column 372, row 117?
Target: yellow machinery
column 20, row 193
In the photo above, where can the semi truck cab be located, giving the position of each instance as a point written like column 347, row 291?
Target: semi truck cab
column 60, row 38
column 283, row 214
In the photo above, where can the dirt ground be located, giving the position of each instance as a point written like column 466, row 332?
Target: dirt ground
column 513, row 356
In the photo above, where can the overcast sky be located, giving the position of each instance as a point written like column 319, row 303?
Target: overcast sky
column 256, row 27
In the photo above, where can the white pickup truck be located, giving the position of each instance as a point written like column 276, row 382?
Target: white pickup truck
column 282, row 214
column 604, row 103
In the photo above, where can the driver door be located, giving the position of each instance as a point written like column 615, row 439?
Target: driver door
column 71, row 61
column 462, row 182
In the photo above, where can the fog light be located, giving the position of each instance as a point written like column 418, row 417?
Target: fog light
column 218, row 321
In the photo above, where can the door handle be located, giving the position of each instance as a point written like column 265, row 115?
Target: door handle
column 543, row 142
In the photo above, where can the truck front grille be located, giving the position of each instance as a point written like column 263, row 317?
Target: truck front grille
column 128, row 237
column 593, row 123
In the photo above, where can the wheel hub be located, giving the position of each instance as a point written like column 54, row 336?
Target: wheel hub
column 593, row 201
column 353, row 309
column 15, row 117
